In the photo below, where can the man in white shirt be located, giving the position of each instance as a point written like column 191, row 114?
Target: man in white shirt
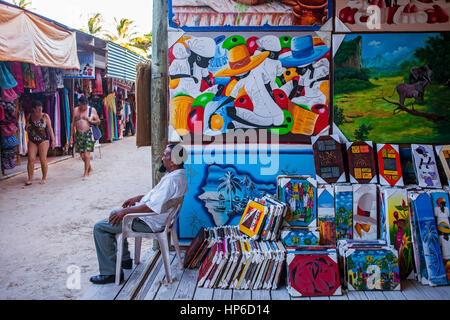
column 173, row 185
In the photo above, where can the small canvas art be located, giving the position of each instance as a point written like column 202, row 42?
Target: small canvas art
column 365, row 212
column 372, row 269
column 300, row 194
column 344, row 212
column 361, row 162
column 423, row 210
column 443, row 153
column 407, row 166
column 442, row 214
column 326, row 215
column 389, row 165
column 399, row 228
column 328, row 159
column 425, row 165
column 294, row 237
column 313, row 274
column 252, row 219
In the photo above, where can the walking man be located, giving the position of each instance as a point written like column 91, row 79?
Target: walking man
column 84, row 142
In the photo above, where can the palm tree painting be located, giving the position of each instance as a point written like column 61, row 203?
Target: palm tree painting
column 432, row 249
column 230, row 183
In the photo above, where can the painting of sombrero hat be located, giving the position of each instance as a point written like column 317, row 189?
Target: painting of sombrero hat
column 239, row 59
column 364, row 208
column 303, row 52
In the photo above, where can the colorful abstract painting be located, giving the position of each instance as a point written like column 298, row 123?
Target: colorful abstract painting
column 361, row 162
column 344, row 212
column 425, row 165
column 442, row 214
column 300, row 237
column 222, row 82
column 365, row 212
column 370, row 269
column 432, row 252
column 221, row 184
column 311, row 275
column 392, row 87
column 206, row 15
column 326, row 215
column 389, row 165
column 329, row 159
column 388, row 15
column 300, row 194
column 399, row 228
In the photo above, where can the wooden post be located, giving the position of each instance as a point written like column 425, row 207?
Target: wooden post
column 159, row 125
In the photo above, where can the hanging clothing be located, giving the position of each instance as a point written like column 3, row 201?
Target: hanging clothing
column 23, row 135
column 28, row 76
column 16, row 71
column 67, row 114
column 98, row 84
column 57, row 123
column 38, row 79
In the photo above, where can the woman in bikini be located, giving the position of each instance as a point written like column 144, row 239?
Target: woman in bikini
column 39, row 128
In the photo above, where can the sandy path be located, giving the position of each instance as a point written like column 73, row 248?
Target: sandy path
column 46, row 229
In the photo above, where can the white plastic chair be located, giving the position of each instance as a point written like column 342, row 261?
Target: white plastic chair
column 99, row 147
column 174, row 206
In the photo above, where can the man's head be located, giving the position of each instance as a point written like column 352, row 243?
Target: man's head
column 83, row 101
column 174, row 157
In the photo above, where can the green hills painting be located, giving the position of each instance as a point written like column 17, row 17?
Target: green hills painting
column 393, row 87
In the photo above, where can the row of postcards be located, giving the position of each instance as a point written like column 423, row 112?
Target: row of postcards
column 236, row 261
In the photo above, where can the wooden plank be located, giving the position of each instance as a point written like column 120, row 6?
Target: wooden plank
column 188, row 283
column 430, row 293
column 151, row 280
column 261, row 295
column 167, row 292
column 444, row 292
column 410, row 291
column 137, row 278
column 204, row 294
column 341, row 297
column 375, row 295
column 280, row 294
column 394, row 295
column 106, row 291
column 154, row 287
column 356, row 295
column 221, row 294
column 320, row 298
column 242, row 295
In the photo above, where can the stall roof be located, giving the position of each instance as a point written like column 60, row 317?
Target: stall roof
column 121, row 63
column 29, row 37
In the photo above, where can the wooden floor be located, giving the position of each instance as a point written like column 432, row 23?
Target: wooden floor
column 142, row 284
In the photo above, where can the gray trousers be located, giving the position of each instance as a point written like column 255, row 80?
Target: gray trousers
column 106, row 244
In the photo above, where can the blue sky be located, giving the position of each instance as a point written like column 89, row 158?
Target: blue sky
column 390, row 46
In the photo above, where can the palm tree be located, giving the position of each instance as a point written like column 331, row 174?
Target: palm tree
column 22, row 4
column 94, row 24
column 144, row 43
column 230, row 183
column 125, row 36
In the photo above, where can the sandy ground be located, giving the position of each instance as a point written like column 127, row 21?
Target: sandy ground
column 44, row 229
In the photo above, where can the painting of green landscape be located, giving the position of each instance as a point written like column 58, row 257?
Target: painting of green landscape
column 393, row 87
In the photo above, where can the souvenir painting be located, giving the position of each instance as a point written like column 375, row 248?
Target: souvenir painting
column 206, row 15
column 300, row 237
column 443, row 153
column 442, row 215
column 365, row 222
column 326, row 215
column 399, row 228
column 220, row 82
column 407, row 166
column 299, row 193
column 432, row 252
column 389, row 165
column 344, row 212
column 328, row 159
column 391, row 87
column 387, row 15
column 372, row 269
column 252, row 219
column 361, row 162
column 425, row 165
column 311, row 275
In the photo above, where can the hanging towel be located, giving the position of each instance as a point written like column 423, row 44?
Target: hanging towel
column 16, row 71
column 7, row 80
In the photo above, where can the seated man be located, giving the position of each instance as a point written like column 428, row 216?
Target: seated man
column 173, row 185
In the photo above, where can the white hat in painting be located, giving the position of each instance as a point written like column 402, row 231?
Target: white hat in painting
column 203, row 46
column 269, row 43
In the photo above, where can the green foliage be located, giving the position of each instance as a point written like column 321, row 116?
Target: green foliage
column 351, row 85
column 346, row 50
column 339, row 117
column 351, row 73
column 436, row 54
column 362, row 133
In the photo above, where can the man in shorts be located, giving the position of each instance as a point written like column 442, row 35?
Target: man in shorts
column 84, row 142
